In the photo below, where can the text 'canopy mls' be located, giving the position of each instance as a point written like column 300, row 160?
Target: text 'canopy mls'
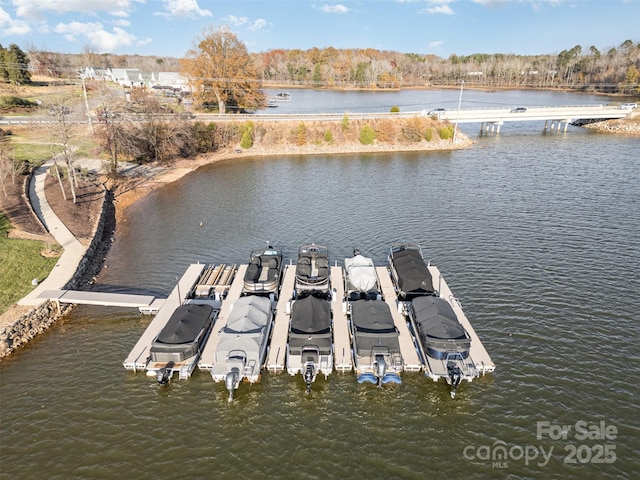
column 223, row 73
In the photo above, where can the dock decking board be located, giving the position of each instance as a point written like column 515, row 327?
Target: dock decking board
column 139, row 355
column 410, row 356
column 278, row 347
column 477, row 353
column 342, row 358
column 208, row 354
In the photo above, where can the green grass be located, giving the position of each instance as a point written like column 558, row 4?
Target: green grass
column 20, row 262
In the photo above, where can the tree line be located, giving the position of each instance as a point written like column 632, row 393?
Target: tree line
column 616, row 70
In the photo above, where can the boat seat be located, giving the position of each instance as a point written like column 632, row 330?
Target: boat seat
column 253, row 273
column 303, row 270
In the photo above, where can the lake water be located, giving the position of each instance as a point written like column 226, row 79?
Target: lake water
column 538, row 236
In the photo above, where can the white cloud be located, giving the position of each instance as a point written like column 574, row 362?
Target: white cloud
column 183, row 9
column 97, row 37
column 258, row 24
column 11, row 26
column 492, row 3
column 435, row 45
column 337, row 8
column 236, row 21
column 121, row 22
column 438, row 7
column 38, row 9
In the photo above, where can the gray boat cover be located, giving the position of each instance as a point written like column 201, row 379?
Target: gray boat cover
column 310, row 315
column 361, row 273
column 245, row 331
column 185, row 324
column 436, row 319
column 413, row 274
column 250, row 314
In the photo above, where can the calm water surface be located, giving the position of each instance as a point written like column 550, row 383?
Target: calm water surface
column 537, row 234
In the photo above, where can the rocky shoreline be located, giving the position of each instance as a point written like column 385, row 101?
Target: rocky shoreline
column 625, row 126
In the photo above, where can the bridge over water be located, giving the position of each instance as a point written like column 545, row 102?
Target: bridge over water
column 488, row 118
column 554, row 115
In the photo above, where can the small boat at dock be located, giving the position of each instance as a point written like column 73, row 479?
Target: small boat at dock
column 264, row 272
column 448, row 348
column 242, row 347
column 310, row 339
column 181, row 340
column 374, row 336
column 312, row 270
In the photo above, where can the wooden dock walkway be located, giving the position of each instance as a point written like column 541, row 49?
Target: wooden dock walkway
column 278, row 347
column 478, row 356
column 207, row 358
column 139, row 356
column 342, row 357
column 410, row 356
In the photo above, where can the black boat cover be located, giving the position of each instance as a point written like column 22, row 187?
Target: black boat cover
column 372, row 316
column 436, row 319
column 413, row 274
column 185, row 324
column 310, row 315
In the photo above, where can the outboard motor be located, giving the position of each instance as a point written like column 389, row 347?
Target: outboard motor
column 309, row 375
column 231, row 381
column 163, row 375
column 380, row 368
column 455, row 377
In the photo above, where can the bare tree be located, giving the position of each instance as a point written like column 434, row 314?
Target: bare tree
column 62, row 132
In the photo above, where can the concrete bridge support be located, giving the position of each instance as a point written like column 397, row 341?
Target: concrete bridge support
column 557, row 124
column 494, row 127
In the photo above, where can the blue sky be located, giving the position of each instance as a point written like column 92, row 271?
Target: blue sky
column 442, row 27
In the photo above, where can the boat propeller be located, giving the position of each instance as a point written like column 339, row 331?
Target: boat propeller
column 163, row 375
column 455, row 377
column 308, row 376
column 231, row 381
column 380, row 368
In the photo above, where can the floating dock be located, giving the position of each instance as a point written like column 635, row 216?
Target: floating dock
column 140, row 355
column 276, row 360
column 478, row 362
column 342, row 355
column 410, row 358
column 200, row 284
column 208, row 356
column 221, row 285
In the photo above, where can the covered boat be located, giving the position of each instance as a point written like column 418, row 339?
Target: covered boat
column 181, row 340
column 242, row 347
column 310, row 341
column 376, row 348
column 264, row 272
column 409, row 272
column 442, row 337
column 361, row 279
column 312, row 269
column 439, row 330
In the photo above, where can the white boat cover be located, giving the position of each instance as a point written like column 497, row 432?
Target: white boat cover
column 361, row 273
